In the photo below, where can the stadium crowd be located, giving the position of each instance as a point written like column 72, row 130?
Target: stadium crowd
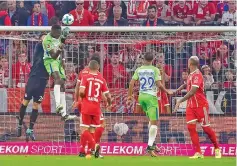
column 120, row 13
column 217, row 58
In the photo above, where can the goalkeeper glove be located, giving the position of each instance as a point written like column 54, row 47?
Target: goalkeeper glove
column 65, row 32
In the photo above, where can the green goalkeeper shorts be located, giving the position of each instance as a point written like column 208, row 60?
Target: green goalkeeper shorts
column 53, row 65
column 149, row 105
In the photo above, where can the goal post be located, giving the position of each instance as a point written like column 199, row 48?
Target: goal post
column 121, row 50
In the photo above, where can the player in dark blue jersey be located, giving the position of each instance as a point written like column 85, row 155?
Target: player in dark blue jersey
column 35, row 88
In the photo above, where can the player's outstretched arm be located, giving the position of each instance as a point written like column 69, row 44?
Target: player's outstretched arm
column 161, row 86
column 130, row 89
column 82, row 91
column 186, row 97
column 181, row 88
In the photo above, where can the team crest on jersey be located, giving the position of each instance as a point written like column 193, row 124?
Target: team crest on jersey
column 48, row 46
column 195, row 80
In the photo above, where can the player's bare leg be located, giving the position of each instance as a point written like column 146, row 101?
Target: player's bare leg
column 63, row 102
column 33, row 117
column 21, row 117
column 168, row 109
column 195, row 140
column 151, row 149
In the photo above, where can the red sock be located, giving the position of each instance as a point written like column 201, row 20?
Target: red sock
column 194, row 137
column 98, row 133
column 212, row 136
column 83, row 144
column 86, row 136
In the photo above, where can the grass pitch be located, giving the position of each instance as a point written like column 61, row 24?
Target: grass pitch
column 113, row 161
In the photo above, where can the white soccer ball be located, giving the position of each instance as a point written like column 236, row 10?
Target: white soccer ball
column 120, row 129
column 68, row 19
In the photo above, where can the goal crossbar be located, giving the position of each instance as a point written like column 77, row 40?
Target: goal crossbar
column 125, row 29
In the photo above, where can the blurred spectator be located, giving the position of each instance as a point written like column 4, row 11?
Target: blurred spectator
column 115, row 73
column 204, row 13
column 204, row 52
column 217, row 72
column 137, row 9
column 71, row 76
column 207, row 76
column 122, row 5
column 184, row 77
column 163, row 10
column 82, row 17
column 62, row 7
column 229, row 17
column 182, row 13
column 47, row 9
column 102, row 19
column 1, row 77
column 117, row 20
column 165, row 67
column 222, row 7
column 19, row 15
column 37, row 18
column 222, row 54
column 91, row 5
column 54, row 20
column 20, row 71
column 5, row 69
column 152, row 20
column 4, row 17
column 18, row 47
column 230, row 79
column 102, row 7
column 233, row 60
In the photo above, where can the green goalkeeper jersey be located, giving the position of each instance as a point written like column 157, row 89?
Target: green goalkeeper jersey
column 50, row 43
column 147, row 76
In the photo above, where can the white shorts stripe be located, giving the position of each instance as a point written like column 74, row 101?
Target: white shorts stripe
column 194, row 120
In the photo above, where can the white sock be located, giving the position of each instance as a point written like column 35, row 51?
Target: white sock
column 149, row 125
column 152, row 135
column 56, row 91
column 63, row 102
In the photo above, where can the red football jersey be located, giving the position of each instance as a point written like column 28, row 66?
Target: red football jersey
column 182, row 12
column 200, row 12
column 84, row 72
column 94, row 85
column 199, row 98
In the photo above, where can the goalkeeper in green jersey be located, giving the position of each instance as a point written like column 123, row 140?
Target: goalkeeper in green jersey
column 150, row 80
column 53, row 44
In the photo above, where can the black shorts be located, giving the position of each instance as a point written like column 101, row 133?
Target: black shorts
column 35, row 89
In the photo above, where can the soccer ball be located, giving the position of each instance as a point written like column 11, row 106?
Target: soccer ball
column 68, row 19
column 120, row 129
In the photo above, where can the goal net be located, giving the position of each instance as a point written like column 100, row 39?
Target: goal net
column 121, row 53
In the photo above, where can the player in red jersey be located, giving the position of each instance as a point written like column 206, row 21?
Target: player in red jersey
column 77, row 104
column 92, row 88
column 197, row 108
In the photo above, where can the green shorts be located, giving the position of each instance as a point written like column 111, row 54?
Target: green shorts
column 53, row 65
column 149, row 105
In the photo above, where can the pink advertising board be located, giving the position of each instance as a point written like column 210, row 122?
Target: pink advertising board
column 133, row 149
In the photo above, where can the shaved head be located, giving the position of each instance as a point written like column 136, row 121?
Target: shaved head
column 94, row 65
column 194, row 60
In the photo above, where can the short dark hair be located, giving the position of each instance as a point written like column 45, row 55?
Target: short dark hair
column 3, row 6
column 93, row 65
column 152, row 7
column 95, row 57
column 148, row 56
column 56, row 27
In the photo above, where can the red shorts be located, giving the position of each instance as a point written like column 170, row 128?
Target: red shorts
column 199, row 114
column 90, row 120
column 163, row 101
